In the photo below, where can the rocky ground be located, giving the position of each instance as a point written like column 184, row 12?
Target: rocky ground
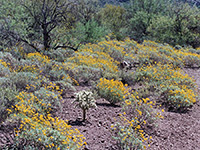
column 180, row 131
column 177, row 131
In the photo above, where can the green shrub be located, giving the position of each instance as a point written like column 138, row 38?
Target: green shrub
column 59, row 55
column 4, row 71
column 130, row 127
column 85, row 75
column 191, row 61
column 22, row 79
column 48, row 100
column 177, row 98
column 7, row 99
column 89, row 32
column 170, row 86
column 162, row 29
column 180, row 28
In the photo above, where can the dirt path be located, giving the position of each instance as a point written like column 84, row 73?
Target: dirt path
column 179, row 131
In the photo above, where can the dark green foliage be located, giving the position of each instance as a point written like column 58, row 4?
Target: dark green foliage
column 89, row 32
column 141, row 13
column 181, row 26
column 114, row 17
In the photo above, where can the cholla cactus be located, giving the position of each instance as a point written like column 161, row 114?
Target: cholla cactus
column 85, row 101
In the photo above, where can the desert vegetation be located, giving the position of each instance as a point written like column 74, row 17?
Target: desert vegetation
column 53, row 48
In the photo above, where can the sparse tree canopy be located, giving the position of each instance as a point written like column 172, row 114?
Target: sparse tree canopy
column 41, row 18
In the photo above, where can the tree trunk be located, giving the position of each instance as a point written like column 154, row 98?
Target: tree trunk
column 46, row 38
column 84, row 114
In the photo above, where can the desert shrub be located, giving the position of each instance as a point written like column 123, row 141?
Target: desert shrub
column 195, row 51
column 131, row 127
column 165, row 78
column 5, row 82
column 85, row 101
column 20, row 51
column 191, row 60
column 110, row 76
column 38, row 128
column 89, row 64
column 128, row 77
column 116, row 49
column 22, row 79
column 59, row 55
column 4, row 70
column 57, row 72
column 64, row 87
column 10, row 61
column 48, row 100
column 55, row 75
column 7, row 99
column 178, row 98
column 38, row 57
column 95, row 59
column 53, row 133
column 85, row 75
column 112, row 90
column 27, row 66
column 125, row 135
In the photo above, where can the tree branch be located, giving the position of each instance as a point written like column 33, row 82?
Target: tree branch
column 68, row 46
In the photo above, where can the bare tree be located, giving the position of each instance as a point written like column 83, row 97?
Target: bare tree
column 47, row 15
column 38, row 20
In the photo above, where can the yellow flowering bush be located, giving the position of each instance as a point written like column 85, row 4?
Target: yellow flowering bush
column 170, row 84
column 22, row 79
column 39, row 128
column 112, row 90
column 4, row 70
column 178, row 98
column 90, row 63
column 27, row 66
column 7, row 99
column 46, row 132
column 38, row 57
column 94, row 59
column 126, row 134
column 130, row 128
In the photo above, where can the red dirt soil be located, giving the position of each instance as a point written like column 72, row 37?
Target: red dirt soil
column 177, row 131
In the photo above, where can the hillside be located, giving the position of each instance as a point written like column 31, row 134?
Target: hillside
column 146, row 97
